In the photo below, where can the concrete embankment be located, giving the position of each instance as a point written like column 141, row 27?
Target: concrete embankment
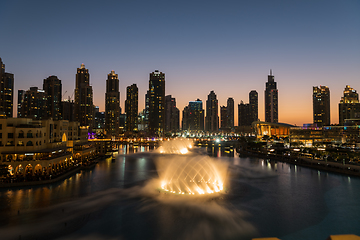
column 347, row 169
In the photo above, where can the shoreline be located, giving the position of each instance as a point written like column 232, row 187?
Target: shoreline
column 56, row 179
column 334, row 167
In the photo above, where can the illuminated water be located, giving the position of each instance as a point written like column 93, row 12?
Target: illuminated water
column 264, row 199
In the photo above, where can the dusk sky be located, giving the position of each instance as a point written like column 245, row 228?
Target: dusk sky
column 225, row 46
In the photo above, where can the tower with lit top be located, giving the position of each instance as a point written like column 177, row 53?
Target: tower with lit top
column 156, row 96
column 349, row 106
column 112, row 105
column 271, row 100
column 321, row 106
column 6, row 91
column 84, row 108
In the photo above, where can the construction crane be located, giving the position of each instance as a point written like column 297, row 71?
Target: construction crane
column 62, row 96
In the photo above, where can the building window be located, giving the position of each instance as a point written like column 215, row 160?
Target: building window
column 21, row 134
column 29, row 143
column 29, row 134
column 10, row 135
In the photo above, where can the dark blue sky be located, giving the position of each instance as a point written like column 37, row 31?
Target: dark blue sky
column 225, row 46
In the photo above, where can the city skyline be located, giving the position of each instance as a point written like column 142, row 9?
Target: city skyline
column 229, row 52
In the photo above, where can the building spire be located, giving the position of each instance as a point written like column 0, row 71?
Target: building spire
column 270, row 72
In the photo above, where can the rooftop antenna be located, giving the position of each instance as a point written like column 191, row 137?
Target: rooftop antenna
column 270, row 72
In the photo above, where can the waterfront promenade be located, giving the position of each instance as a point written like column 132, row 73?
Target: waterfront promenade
column 53, row 179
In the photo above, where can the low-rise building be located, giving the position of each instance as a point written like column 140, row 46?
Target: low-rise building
column 31, row 148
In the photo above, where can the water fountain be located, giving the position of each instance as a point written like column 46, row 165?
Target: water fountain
column 192, row 175
column 189, row 173
column 176, row 146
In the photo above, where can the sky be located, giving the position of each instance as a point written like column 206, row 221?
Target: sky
column 225, row 46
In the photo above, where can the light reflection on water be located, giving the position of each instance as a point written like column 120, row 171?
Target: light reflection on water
column 282, row 200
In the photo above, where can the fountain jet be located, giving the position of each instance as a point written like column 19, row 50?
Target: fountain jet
column 192, row 175
column 176, row 146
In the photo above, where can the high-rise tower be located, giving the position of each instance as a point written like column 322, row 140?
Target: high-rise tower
column 321, row 105
column 6, row 91
column 172, row 115
column 212, row 116
column 193, row 116
column 156, row 97
column 271, row 100
column 35, row 104
column 349, row 106
column 84, row 109
column 253, row 101
column 53, row 88
column 223, row 117
column 131, row 108
column 21, row 95
column 244, row 114
column 112, row 105
column 230, row 113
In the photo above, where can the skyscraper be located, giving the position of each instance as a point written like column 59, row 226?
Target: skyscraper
column 185, row 122
column 321, row 105
column 112, row 105
column 67, row 110
column 212, row 116
column 156, row 97
column 271, row 100
column 53, row 88
column 131, row 108
column 253, row 101
column 244, row 114
column 349, row 106
column 223, row 117
column 193, row 116
column 6, row 91
column 248, row 112
column 21, row 95
column 230, row 113
column 172, row 115
column 197, row 115
column 84, row 109
column 35, row 104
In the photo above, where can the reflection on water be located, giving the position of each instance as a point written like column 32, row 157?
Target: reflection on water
column 131, row 148
column 278, row 199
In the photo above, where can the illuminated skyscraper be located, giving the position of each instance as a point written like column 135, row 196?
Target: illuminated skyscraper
column 253, row 101
column 212, row 116
column 53, row 88
column 271, row 100
column 112, row 105
column 349, row 106
column 156, row 97
column 131, row 108
column 321, row 106
column 21, row 95
column 35, row 104
column 172, row 115
column 6, row 91
column 193, row 116
column 84, row 108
